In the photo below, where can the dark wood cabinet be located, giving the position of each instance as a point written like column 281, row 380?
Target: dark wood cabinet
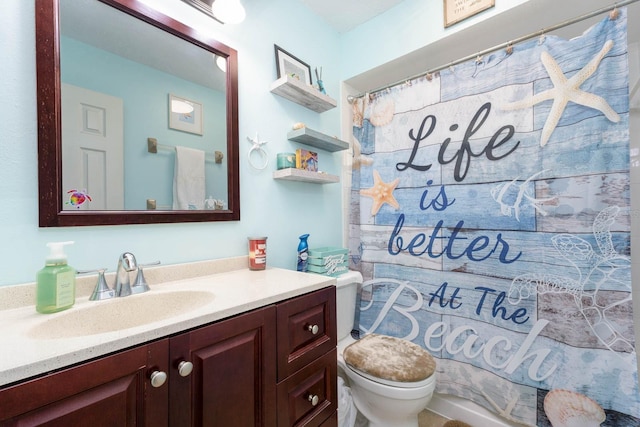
column 309, row 396
column 307, row 359
column 111, row 391
column 234, row 371
column 274, row 366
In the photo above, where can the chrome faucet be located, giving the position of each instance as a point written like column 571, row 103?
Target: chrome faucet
column 123, row 287
column 126, row 264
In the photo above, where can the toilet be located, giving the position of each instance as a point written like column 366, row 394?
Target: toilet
column 387, row 394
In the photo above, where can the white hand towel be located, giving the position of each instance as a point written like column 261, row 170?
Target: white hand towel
column 188, row 179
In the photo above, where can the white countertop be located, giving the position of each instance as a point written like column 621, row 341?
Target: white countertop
column 237, row 291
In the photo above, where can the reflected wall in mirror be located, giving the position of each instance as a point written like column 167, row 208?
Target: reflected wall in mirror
column 109, row 72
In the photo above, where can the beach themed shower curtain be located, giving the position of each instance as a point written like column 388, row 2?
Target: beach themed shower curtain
column 490, row 217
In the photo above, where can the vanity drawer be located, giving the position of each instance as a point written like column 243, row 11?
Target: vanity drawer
column 306, row 329
column 309, row 397
column 332, row 421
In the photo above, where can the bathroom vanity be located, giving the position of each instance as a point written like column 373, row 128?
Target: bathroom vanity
column 261, row 352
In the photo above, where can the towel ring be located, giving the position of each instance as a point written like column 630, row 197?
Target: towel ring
column 257, row 147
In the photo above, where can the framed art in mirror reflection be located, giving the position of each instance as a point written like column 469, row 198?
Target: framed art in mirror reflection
column 185, row 115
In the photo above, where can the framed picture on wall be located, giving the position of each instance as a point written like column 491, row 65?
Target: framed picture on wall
column 289, row 65
column 185, row 115
column 459, row 10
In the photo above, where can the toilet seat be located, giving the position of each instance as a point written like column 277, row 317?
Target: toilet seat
column 390, row 361
column 395, row 384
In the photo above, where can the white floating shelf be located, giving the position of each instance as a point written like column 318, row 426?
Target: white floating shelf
column 292, row 174
column 317, row 139
column 303, row 94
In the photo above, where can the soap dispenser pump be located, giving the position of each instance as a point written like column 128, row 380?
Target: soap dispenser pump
column 56, row 282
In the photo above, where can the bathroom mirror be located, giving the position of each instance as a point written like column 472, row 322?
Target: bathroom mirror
column 116, row 76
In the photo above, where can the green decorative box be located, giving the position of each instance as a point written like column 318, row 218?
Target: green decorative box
column 330, row 261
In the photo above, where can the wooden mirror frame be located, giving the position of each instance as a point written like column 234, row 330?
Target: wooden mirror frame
column 51, row 213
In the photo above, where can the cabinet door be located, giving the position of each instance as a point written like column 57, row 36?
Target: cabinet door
column 233, row 379
column 306, row 330
column 111, row 391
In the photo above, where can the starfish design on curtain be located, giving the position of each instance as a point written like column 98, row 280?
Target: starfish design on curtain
column 381, row 193
column 565, row 90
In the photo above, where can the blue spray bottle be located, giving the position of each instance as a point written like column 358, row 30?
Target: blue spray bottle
column 303, row 253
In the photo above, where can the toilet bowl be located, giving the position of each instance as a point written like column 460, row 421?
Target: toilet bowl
column 386, row 399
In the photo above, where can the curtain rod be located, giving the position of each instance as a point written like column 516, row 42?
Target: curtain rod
column 508, row 44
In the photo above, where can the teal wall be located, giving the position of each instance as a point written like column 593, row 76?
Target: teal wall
column 280, row 210
column 403, row 29
column 145, row 95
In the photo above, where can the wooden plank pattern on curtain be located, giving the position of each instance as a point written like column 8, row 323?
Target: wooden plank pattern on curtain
column 490, row 218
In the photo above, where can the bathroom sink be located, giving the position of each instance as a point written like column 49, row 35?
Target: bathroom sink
column 120, row 313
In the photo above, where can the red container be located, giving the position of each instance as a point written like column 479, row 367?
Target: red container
column 257, row 253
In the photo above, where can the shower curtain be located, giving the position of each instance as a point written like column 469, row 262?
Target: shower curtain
column 490, row 218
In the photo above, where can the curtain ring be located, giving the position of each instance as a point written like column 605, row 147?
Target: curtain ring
column 542, row 38
column 613, row 15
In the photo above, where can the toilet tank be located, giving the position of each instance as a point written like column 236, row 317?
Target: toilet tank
column 346, row 297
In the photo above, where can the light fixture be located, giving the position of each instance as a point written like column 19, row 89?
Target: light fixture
column 221, row 62
column 223, row 11
column 228, row 11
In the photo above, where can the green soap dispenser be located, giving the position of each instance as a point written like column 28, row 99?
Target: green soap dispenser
column 56, row 282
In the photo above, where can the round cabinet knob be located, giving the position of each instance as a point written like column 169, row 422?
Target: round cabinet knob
column 313, row 329
column 158, row 378
column 185, row 368
column 314, row 399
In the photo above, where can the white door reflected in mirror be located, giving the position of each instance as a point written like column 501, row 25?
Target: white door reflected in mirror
column 92, row 150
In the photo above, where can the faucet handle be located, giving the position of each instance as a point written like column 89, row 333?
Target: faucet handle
column 102, row 290
column 141, row 285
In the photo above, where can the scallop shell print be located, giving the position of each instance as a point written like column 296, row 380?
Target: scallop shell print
column 566, row 408
column 382, row 112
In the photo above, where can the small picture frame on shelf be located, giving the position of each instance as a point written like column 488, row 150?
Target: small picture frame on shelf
column 289, row 65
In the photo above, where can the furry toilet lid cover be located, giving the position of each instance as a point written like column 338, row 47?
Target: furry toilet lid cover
column 390, row 358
